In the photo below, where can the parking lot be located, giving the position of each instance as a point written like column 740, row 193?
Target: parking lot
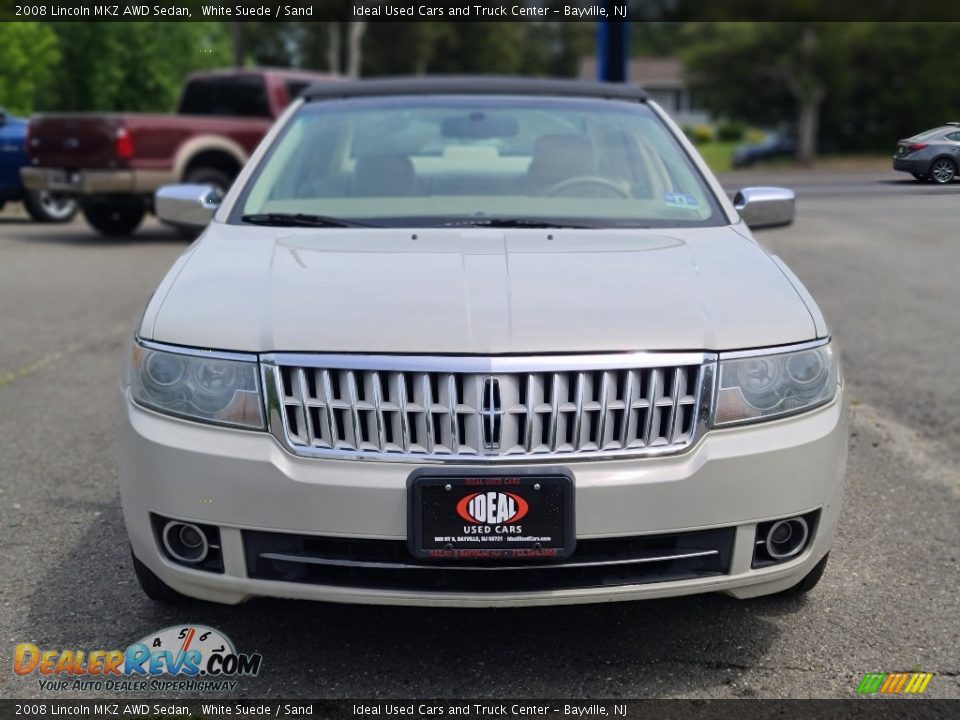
column 880, row 255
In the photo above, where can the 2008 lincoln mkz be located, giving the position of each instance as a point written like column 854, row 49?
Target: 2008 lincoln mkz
column 479, row 342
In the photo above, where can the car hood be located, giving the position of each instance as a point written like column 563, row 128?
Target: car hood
column 476, row 291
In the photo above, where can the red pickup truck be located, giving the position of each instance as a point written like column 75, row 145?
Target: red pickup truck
column 113, row 163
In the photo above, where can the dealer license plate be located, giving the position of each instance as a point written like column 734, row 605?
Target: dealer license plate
column 490, row 516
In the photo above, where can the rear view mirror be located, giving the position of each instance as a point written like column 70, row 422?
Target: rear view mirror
column 763, row 207
column 187, row 206
column 479, row 126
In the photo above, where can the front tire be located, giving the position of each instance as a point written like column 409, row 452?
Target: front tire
column 155, row 588
column 943, row 171
column 44, row 206
column 809, row 582
column 116, row 217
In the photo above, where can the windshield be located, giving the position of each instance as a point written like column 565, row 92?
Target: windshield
column 422, row 161
column 240, row 95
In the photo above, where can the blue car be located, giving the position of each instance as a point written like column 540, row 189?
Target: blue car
column 42, row 206
column 774, row 145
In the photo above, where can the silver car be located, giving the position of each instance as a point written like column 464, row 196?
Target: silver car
column 933, row 155
column 479, row 342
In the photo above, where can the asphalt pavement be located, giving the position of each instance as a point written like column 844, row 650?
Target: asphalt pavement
column 880, row 255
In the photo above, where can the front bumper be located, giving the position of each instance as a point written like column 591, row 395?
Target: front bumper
column 95, row 182
column 243, row 481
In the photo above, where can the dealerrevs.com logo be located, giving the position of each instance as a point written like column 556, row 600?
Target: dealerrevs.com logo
column 898, row 683
column 192, row 657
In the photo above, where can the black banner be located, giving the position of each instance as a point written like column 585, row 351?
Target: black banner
column 445, row 709
column 476, row 10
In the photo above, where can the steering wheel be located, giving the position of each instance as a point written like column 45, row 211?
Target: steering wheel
column 559, row 187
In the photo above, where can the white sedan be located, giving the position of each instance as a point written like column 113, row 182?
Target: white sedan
column 479, row 342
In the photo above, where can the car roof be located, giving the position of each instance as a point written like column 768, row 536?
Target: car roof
column 261, row 72
column 474, row 85
column 935, row 132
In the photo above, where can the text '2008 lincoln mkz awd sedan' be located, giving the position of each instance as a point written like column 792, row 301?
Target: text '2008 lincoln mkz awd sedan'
column 478, row 342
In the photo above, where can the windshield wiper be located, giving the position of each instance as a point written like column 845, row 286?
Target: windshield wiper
column 276, row 219
column 509, row 222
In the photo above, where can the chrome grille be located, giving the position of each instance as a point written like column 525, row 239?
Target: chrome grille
column 486, row 409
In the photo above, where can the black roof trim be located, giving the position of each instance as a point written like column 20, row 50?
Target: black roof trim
column 473, row 85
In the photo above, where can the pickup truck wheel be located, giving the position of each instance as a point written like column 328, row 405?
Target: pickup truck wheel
column 209, row 176
column 44, row 206
column 218, row 179
column 115, row 218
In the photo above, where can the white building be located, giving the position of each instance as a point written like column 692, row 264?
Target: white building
column 663, row 78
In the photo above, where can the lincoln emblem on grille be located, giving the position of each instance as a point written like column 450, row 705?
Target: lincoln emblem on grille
column 491, row 412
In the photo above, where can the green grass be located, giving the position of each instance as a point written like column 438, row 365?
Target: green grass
column 717, row 154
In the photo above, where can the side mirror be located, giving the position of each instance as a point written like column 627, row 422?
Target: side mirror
column 187, row 206
column 763, row 207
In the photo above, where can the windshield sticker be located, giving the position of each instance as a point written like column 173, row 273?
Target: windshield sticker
column 680, row 200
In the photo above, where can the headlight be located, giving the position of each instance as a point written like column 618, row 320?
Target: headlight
column 200, row 387
column 767, row 386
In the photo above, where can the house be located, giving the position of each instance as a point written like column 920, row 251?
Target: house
column 663, row 79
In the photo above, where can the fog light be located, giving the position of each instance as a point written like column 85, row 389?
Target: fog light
column 185, row 542
column 779, row 541
column 191, row 544
column 787, row 538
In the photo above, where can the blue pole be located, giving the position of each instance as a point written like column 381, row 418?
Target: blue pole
column 613, row 49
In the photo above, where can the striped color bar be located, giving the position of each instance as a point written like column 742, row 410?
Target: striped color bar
column 894, row 683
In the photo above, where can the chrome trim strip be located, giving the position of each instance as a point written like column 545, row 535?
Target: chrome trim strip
column 354, row 410
column 331, row 419
column 604, row 408
column 378, row 409
column 302, row 380
column 402, row 405
column 453, row 402
column 781, row 350
column 554, row 410
column 470, row 364
column 675, row 398
column 531, row 417
column 652, row 409
column 284, row 557
column 627, row 410
column 578, row 412
column 428, row 413
column 195, row 352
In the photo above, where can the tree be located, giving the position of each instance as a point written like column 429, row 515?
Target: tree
column 132, row 66
column 754, row 70
column 401, row 48
column 29, row 54
column 896, row 84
